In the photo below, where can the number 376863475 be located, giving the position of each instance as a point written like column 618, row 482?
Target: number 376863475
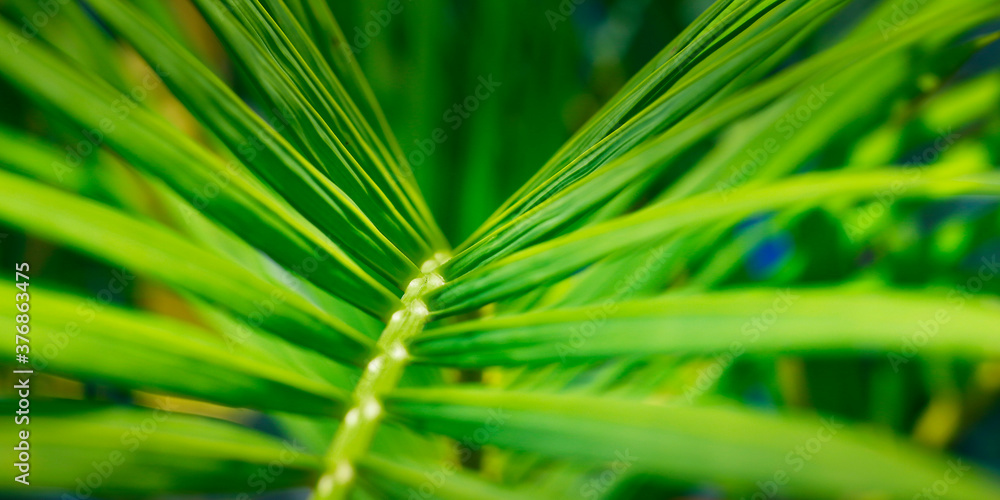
column 21, row 320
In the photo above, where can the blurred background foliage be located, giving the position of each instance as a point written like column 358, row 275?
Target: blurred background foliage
column 558, row 62
column 472, row 144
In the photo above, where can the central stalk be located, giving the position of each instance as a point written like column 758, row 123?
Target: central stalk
column 381, row 376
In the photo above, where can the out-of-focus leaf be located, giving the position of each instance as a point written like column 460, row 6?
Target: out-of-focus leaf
column 259, row 145
column 99, row 450
column 799, row 321
column 150, row 249
column 82, row 339
column 638, row 165
column 737, row 448
column 446, row 482
column 225, row 192
column 561, row 256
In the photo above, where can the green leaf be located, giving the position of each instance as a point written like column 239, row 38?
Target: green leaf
column 97, row 450
column 704, row 82
column 260, row 145
column 559, row 257
column 737, row 448
column 83, row 339
column 152, row 250
column 806, row 322
column 446, row 481
column 325, row 124
column 674, row 60
column 640, row 165
column 221, row 190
